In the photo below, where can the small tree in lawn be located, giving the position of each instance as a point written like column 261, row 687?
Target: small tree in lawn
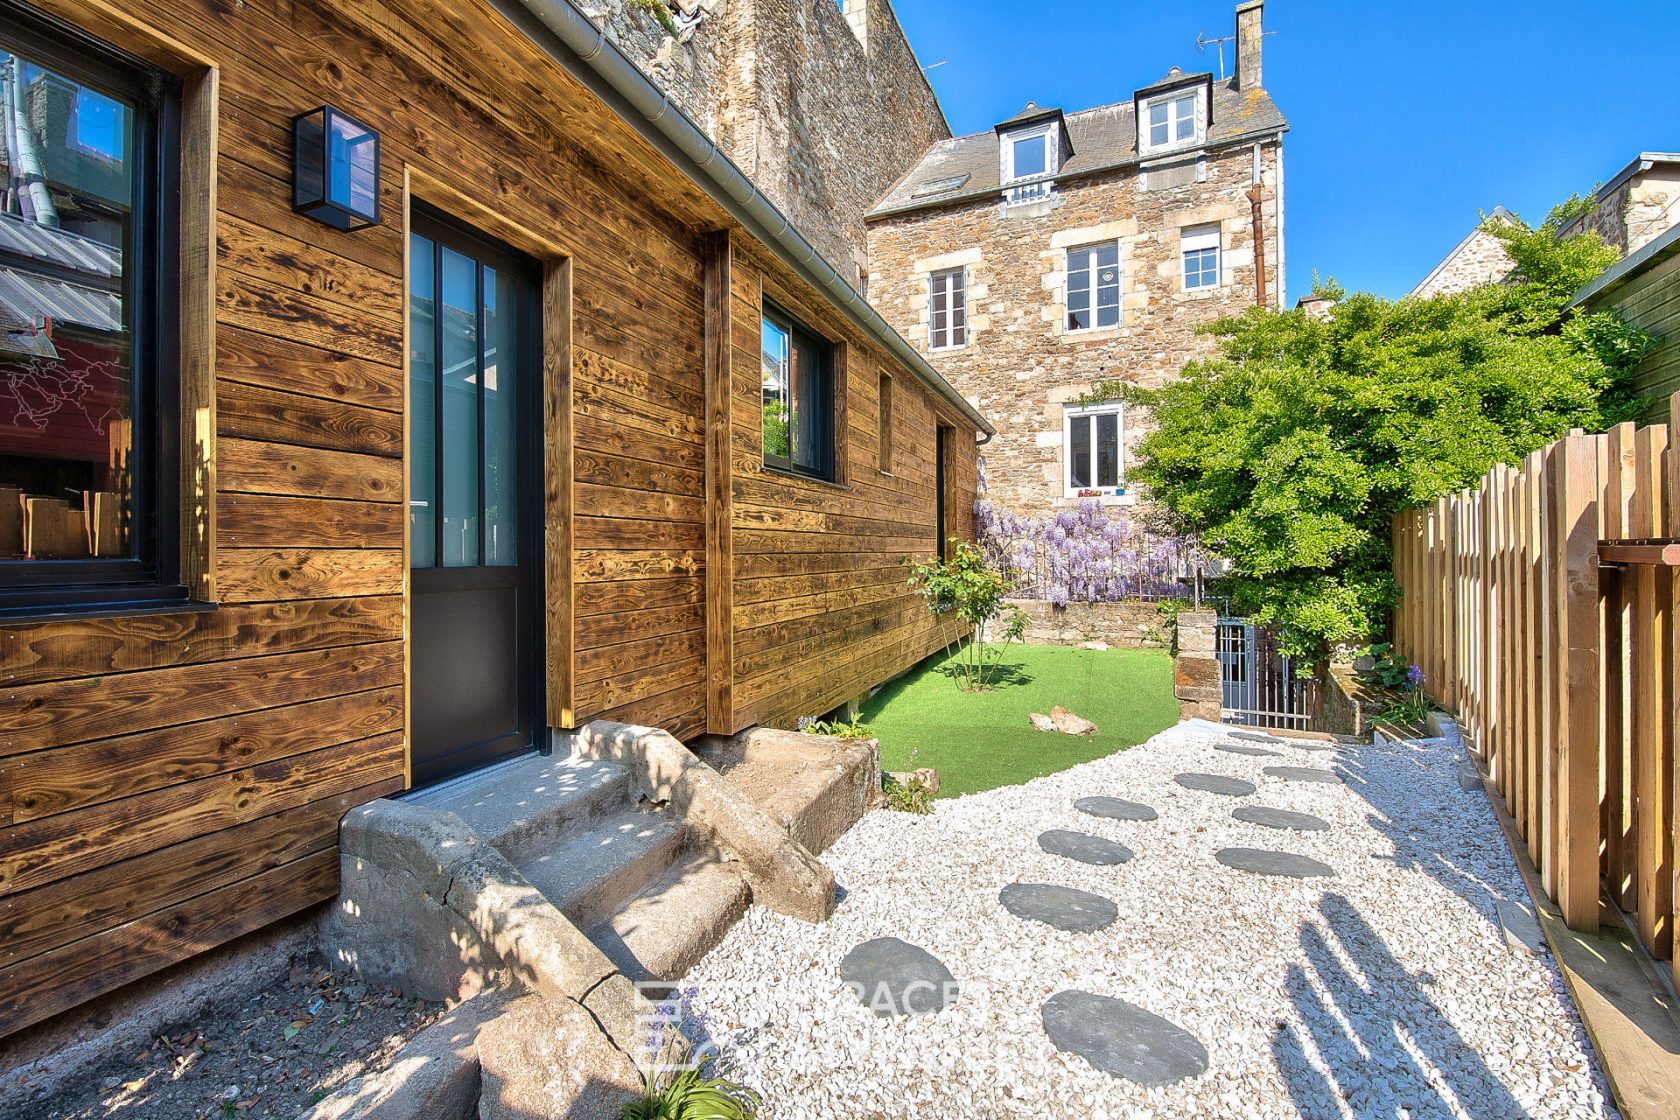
column 966, row 587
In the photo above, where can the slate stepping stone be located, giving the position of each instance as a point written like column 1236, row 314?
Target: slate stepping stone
column 1263, row 862
column 894, row 977
column 1123, row 1039
column 1084, row 847
column 1115, row 809
column 1252, row 752
column 1254, row 737
column 1061, row 907
column 1216, row 783
column 1280, row 818
column 1304, row 774
column 1310, row 745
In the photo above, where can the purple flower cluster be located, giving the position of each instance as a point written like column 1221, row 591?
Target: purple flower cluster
column 1085, row 555
column 1414, row 677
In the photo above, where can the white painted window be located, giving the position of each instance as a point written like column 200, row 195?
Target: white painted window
column 947, row 309
column 1173, row 120
column 1093, row 286
column 1093, row 441
column 1200, row 247
column 1029, row 154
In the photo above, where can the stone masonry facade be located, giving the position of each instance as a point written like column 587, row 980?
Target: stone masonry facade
column 822, row 108
column 1020, row 366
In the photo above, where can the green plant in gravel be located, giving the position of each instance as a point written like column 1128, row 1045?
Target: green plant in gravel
column 1411, row 709
column 680, row 1086
column 907, row 797
column 966, row 587
column 1290, row 451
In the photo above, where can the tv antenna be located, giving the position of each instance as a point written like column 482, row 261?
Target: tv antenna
column 1203, row 42
column 936, row 65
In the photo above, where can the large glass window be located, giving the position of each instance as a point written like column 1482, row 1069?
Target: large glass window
column 1092, row 437
column 87, row 384
column 947, row 309
column 798, row 397
column 1093, row 286
column 465, row 323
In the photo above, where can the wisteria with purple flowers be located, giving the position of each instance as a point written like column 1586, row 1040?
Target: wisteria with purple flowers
column 1085, row 554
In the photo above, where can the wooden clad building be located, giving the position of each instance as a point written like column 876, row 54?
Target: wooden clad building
column 294, row 516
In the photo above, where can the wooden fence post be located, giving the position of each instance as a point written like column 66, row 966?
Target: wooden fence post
column 1577, row 682
column 1650, row 685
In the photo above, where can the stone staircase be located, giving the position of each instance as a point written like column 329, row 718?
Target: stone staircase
column 646, row 887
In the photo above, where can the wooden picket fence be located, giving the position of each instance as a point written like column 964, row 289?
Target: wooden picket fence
column 1540, row 606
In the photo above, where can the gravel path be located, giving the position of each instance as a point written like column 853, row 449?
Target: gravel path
column 1385, row 990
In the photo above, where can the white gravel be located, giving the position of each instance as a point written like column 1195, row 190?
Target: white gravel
column 1385, row 992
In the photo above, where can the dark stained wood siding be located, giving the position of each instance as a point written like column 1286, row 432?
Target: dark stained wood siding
column 821, row 612
column 171, row 781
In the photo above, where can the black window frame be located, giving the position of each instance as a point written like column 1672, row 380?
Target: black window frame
column 798, row 333
column 151, row 575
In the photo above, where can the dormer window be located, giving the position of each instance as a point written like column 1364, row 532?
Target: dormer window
column 1174, row 113
column 1033, row 145
column 1028, row 155
column 1172, row 122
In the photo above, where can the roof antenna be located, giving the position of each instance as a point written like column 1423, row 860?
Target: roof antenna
column 936, row 65
column 1202, row 42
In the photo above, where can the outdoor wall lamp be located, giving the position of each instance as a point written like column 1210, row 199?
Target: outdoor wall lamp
column 335, row 169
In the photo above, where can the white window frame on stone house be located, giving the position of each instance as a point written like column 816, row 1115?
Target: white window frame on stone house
column 1094, row 285
column 1091, row 419
column 1031, row 192
column 1196, row 242
column 1173, row 106
column 948, row 326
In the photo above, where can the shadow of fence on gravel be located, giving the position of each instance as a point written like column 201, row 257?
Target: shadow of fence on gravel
column 1385, row 1048
column 1422, row 843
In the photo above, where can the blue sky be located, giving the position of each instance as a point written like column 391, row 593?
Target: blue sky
column 1407, row 116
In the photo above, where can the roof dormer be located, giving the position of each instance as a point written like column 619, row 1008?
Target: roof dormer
column 1174, row 114
column 1033, row 146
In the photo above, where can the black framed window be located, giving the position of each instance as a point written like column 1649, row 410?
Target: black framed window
column 89, row 376
column 798, row 391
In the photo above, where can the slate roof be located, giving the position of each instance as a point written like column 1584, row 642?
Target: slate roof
column 52, row 274
column 1102, row 138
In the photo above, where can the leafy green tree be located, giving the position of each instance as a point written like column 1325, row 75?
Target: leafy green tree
column 1290, row 451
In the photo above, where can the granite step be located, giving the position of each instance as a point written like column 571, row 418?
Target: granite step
column 592, row 874
column 666, row 930
column 528, row 806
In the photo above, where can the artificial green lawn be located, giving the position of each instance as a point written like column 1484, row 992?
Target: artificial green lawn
column 982, row 740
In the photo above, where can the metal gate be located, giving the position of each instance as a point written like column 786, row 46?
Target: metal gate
column 1259, row 686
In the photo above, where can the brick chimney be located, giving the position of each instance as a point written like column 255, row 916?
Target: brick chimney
column 1248, row 43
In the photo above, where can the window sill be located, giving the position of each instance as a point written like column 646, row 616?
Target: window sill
column 1093, row 332
column 25, row 615
column 947, row 349
column 815, row 480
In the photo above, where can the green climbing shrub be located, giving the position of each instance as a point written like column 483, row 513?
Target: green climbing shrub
column 968, row 588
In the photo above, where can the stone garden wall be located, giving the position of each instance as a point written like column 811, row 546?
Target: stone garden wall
column 1126, row 625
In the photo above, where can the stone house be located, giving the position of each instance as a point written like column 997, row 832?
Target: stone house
column 1630, row 210
column 1478, row 259
column 1061, row 249
column 822, row 105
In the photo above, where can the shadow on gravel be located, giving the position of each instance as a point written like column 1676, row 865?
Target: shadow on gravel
column 1379, row 1020
column 1421, row 843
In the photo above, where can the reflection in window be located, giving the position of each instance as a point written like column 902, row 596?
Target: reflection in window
column 68, row 469
column 1093, row 440
column 1093, row 286
column 797, row 392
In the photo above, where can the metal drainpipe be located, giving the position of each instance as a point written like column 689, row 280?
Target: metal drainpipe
column 38, row 199
column 14, row 201
column 1259, row 233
